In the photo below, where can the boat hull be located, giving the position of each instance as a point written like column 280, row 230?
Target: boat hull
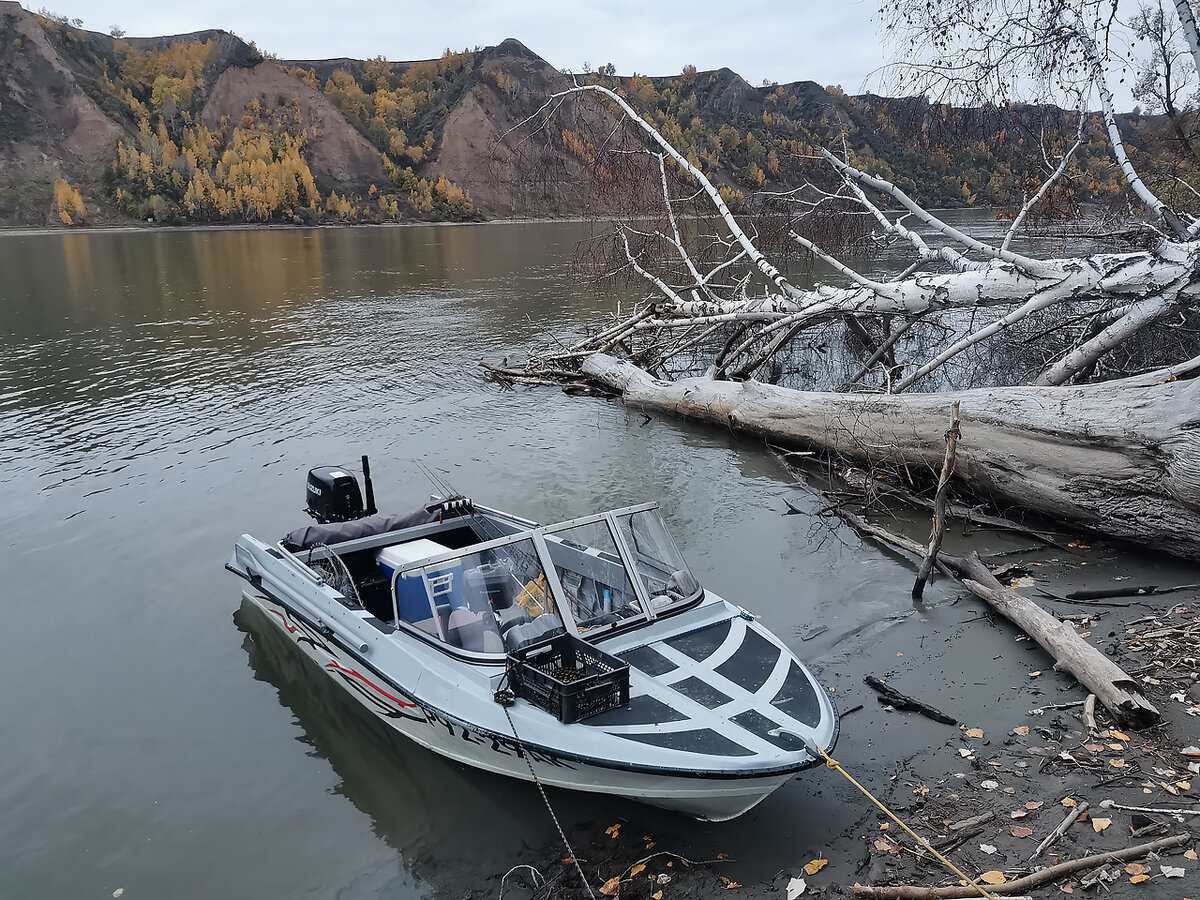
column 707, row 798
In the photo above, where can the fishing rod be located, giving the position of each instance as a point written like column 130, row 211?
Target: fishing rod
column 528, row 561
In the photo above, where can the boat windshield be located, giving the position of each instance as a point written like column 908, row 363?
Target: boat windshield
column 596, row 586
column 498, row 598
column 489, row 601
column 656, row 560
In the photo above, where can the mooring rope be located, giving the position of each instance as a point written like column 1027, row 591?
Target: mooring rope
column 505, row 697
column 832, row 763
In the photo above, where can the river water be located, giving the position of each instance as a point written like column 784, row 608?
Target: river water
column 163, row 391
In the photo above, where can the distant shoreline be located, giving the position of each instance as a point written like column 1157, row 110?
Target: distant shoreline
column 20, row 230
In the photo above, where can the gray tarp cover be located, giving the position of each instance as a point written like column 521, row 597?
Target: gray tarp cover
column 336, row 532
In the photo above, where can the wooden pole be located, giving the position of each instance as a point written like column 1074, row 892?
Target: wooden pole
column 939, row 506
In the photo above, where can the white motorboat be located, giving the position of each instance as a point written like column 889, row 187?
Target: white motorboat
column 629, row 678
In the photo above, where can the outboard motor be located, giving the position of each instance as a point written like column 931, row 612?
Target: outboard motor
column 333, row 495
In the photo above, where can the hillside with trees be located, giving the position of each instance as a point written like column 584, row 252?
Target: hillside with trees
column 205, row 128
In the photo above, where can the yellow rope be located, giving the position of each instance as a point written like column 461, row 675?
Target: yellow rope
column 832, row 763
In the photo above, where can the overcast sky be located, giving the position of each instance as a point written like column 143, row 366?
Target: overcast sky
column 827, row 41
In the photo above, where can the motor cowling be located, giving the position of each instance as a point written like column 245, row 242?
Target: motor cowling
column 333, row 495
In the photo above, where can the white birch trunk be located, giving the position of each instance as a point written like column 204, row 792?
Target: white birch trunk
column 1120, row 458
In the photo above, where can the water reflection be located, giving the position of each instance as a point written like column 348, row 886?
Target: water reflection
column 452, row 824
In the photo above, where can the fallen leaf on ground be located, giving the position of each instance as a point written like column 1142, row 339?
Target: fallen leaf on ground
column 732, row 885
column 1135, row 868
column 652, row 845
column 1069, row 801
column 815, row 866
column 989, row 785
column 1094, row 748
column 884, row 826
column 1190, row 854
column 1172, row 871
column 974, row 732
column 1022, row 730
column 1117, row 735
column 1190, row 751
column 1035, row 804
column 118, row 892
column 611, row 886
column 636, row 869
column 1017, row 814
column 993, row 877
column 1010, row 790
column 1068, row 888
column 1099, row 825
column 613, row 830
column 1020, row 831
column 1184, row 785
column 1116, row 746
column 1035, row 674
column 795, row 888
column 987, row 848
column 1138, row 879
column 1117, row 763
column 657, row 895
column 567, row 860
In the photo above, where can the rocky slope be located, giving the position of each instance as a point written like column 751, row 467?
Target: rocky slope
column 403, row 140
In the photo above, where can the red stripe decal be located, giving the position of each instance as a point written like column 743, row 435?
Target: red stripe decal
column 353, row 674
column 286, row 624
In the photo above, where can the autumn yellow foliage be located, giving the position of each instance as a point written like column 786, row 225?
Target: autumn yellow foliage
column 69, row 203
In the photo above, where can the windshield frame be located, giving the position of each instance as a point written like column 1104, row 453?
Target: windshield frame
column 536, row 535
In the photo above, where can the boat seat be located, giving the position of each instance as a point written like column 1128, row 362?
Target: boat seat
column 541, row 628
column 429, row 626
column 510, row 616
column 465, row 629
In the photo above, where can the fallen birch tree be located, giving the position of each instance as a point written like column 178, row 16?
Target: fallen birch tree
column 1120, row 457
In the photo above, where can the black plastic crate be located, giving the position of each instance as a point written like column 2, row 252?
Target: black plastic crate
column 569, row 678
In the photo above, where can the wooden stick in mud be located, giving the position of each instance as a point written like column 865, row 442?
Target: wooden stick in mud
column 973, row 821
column 897, row 700
column 939, row 508
column 1020, row 885
column 1089, row 714
column 1058, row 832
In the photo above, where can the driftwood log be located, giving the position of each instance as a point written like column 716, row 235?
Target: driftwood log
column 1121, row 458
column 1107, row 681
column 893, row 698
column 1020, row 885
column 1114, row 688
